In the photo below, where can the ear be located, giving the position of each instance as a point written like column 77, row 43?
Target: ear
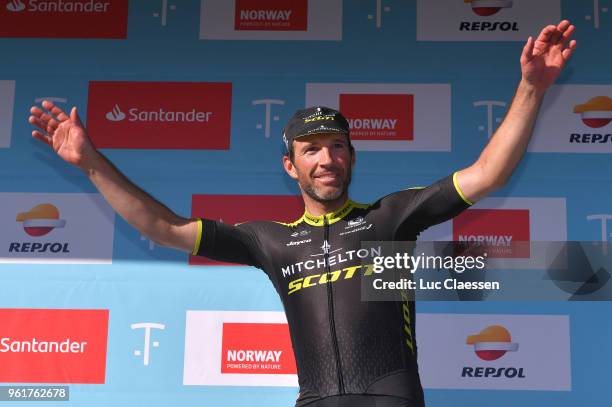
column 289, row 167
column 353, row 157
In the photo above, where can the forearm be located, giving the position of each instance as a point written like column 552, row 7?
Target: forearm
column 509, row 143
column 138, row 208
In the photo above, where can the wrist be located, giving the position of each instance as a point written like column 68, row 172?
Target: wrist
column 91, row 162
column 529, row 89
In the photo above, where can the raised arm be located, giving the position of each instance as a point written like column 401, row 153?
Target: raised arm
column 541, row 63
column 67, row 136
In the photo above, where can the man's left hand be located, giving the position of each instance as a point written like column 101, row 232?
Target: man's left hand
column 543, row 59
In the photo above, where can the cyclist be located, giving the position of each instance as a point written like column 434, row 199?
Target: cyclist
column 348, row 352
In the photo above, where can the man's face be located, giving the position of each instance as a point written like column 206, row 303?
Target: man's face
column 322, row 165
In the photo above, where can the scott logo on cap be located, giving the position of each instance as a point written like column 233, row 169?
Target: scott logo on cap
column 312, row 119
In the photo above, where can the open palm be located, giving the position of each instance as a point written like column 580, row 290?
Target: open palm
column 64, row 134
column 543, row 58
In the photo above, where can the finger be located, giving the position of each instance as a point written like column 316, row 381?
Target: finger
column 547, row 33
column 527, row 54
column 563, row 25
column 51, row 123
column 36, row 111
column 74, row 116
column 567, row 52
column 557, row 35
column 567, row 34
column 38, row 122
column 40, row 136
column 56, row 111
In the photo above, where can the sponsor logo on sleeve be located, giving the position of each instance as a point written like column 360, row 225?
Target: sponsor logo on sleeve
column 160, row 115
column 390, row 117
column 238, row 348
column 71, row 18
column 271, row 20
column 495, row 352
column 483, row 20
column 53, row 345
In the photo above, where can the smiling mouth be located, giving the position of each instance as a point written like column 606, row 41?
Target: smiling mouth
column 328, row 178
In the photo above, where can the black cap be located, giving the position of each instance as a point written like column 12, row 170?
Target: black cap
column 314, row 120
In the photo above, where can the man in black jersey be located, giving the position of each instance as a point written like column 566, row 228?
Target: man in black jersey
column 348, row 352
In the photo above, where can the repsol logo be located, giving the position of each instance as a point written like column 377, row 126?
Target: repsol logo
column 589, row 138
column 507, row 372
column 488, row 26
column 21, row 247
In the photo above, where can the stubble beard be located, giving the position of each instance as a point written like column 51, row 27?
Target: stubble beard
column 312, row 192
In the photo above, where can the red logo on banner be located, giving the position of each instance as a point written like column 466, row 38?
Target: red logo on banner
column 271, row 15
column 160, row 115
column 595, row 113
column 41, row 220
column 257, row 348
column 63, row 18
column 379, row 117
column 505, row 232
column 53, row 346
column 492, row 342
column 232, row 209
column 486, row 8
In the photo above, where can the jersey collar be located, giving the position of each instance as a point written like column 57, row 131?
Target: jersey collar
column 331, row 217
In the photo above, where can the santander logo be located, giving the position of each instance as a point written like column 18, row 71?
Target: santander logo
column 115, row 115
column 15, row 5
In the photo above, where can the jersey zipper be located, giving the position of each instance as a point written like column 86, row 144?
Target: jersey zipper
column 330, row 306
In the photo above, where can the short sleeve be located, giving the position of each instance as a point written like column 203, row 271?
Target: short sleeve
column 421, row 208
column 229, row 243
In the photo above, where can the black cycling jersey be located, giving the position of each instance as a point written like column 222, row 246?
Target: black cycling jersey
column 342, row 345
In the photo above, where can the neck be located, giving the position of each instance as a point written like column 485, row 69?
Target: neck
column 318, row 208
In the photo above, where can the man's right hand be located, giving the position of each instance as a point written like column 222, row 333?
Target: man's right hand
column 65, row 134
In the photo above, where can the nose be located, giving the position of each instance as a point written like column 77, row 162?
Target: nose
column 325, row 157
